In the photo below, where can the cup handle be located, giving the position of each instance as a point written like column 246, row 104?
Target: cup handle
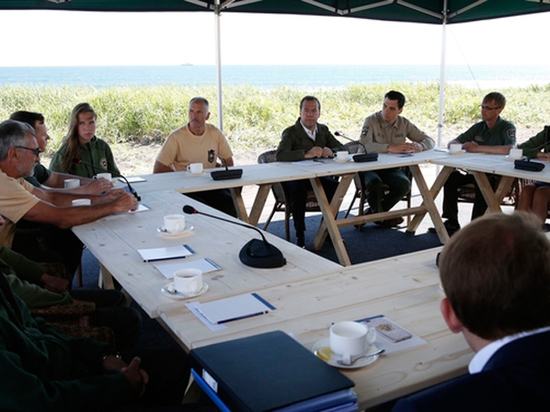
column 371, row 335
column 346, row 359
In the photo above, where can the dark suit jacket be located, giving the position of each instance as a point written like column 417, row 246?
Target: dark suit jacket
column 516, row 378
column 295, row 142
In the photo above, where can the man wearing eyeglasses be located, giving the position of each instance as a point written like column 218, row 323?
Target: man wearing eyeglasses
column 492, row 135
column 19, row 153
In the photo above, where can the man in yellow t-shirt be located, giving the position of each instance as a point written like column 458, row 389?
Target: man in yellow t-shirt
column 191, row 144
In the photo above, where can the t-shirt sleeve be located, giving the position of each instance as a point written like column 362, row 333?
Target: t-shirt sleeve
column 223, row 146
column 16, row 198
column 168, row 151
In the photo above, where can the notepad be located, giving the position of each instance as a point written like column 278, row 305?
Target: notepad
column 163, row 253
column 133, row 179
column 234, row 308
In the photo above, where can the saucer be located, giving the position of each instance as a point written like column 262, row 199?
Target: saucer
column 179, row 296
column 342, row 161
column 188, row 229
column 196, row 174
column 360, row 363
column 457, row 152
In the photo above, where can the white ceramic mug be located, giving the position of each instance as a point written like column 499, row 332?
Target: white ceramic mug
column 515, row 154
column 71, row 183
column 82, row 202
column 174, row 223
column 455, row 147
column 195, row 168
column 105, row 175
column 349, row 339
column 342, row 156
column 188, row 281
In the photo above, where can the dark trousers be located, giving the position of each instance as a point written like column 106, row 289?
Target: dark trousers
column 297, row 192
column 111, row 311
column 398, row 186
column 450, row 195
column 48, row 243
column 220, row 199
column 169, row 372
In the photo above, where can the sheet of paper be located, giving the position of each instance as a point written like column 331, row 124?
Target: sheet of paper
column 234, row 308
column 133, row 179
column 163, row 253
column 384, row 343
column 204, row 265
column 192, row 307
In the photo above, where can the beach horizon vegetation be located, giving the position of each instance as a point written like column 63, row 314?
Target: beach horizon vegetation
column 135, row 120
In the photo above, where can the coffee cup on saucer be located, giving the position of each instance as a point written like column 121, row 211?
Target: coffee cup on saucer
column 105, row 175
column 188, row 281
column 342, row 156
column 71, row 183
column 350, row 339
column 455, row 148
column 174, row 223
column 515, row 154
column 195, row 168
column 82, row 202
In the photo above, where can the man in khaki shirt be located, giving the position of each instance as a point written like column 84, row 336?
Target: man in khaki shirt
column 387, row 132
column 192, row 143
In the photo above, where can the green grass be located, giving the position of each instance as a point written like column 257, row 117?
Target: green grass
column 254, row 117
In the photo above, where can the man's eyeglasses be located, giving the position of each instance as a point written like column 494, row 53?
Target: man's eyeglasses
column 36, row 150
column 483, row 107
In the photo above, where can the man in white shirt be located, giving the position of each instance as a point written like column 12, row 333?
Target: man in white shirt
column 496, row 277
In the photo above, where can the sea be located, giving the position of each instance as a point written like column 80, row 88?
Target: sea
column 269, row 76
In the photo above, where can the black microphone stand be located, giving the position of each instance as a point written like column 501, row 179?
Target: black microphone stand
column 224, row 174
column 256, row 253
column 362, row 157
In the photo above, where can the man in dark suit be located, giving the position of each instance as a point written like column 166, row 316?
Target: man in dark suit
column 306, row 139
column 496, row 277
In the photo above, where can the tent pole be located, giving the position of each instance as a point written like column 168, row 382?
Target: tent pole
column 442, row 75
column 217, row 13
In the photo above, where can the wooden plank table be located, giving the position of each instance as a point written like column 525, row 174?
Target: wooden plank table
column 114, row 240
column 404, row 288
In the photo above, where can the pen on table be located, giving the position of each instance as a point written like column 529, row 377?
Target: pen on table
column 243, row 317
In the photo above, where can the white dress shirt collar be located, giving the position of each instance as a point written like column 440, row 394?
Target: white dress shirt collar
column 481, row 358
column 311, row 134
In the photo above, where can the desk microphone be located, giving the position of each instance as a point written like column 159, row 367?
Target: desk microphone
column 256, row 253
column 362, row 157
column 95, row 169
column 528, row 164
column 224, row 174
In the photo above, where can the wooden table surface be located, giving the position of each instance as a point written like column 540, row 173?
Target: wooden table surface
column 114, row 240
column 405, row 289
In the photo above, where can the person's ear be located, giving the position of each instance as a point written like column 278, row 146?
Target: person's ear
column 450, row 317
column 207, row 116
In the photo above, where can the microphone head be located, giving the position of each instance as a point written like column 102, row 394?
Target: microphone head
column 190, row 210
column 76, row 161
column 337, row 133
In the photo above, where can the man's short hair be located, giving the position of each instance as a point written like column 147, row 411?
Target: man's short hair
column 496, row 275
column 309, row 99
column 13, row 133
column 200, row 100
column 393, row 95
column 27, row 117
column 499, row 99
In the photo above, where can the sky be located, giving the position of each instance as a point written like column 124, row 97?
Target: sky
column 57, row 38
